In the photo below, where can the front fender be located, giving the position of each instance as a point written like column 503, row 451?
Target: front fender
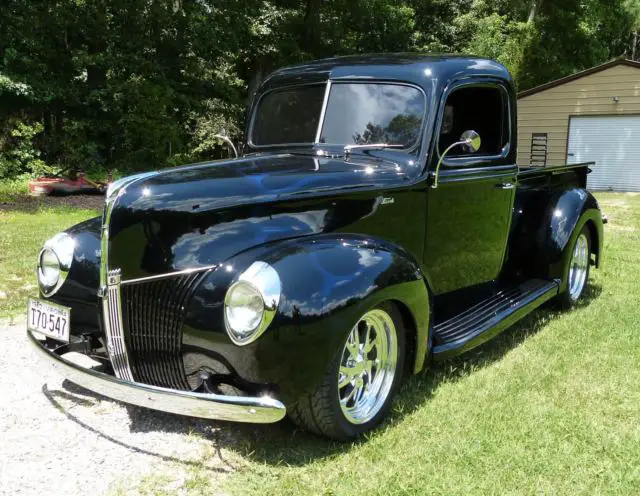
column 84, row 276
column 80, row 289
column 328, row 282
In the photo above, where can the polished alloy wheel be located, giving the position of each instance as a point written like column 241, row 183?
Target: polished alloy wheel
column 579, row 267
column 367, row 366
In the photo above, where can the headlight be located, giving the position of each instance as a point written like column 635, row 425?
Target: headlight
column 49, row 272
column 54, row 263
column 250, row 303
column 244, row 309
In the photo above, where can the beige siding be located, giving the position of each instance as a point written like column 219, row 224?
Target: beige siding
column 548, row 111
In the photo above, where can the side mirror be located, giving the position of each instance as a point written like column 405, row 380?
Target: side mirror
column 469, row 140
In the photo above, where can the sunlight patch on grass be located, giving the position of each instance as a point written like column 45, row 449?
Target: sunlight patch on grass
column 550, row 406
column 22, row 235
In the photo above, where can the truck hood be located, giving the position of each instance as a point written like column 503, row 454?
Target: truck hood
column 257, row 180
column 201, row 215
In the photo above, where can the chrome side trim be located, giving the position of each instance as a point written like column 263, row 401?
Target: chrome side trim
column 169, row 274
column 263, row 409
column 112, row 310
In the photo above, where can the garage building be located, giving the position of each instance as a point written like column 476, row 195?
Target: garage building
column 591, row 116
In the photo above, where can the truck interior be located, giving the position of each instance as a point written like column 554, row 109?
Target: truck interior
column 478, row 108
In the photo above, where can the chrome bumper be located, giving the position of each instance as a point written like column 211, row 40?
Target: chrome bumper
column 261, row 410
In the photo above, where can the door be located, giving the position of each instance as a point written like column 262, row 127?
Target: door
column 613, row 143
column 469, row 213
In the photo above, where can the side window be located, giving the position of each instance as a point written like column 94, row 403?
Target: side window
column 483, row 109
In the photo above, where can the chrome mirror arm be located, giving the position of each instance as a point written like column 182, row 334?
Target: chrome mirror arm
column 228, row 141
column 470, row 139
column 453, row 145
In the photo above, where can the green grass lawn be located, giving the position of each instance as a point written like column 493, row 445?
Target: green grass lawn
column 22, row 233
column 551, row 406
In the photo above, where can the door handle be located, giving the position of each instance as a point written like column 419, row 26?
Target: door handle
column 505, row 185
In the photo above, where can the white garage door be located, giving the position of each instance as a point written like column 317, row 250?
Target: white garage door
column 613, row 143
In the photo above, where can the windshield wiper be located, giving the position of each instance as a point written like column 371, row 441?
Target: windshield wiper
column 370, row 146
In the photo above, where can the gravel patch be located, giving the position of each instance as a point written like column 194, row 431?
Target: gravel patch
column 59, row 439
column 27, row 203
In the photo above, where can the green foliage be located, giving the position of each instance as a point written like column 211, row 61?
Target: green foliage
column 497, row 37
column 13, row 187
column 10, row 87
column 571, row 35
column 18, row 154
column 133, row 84
column 214, row 120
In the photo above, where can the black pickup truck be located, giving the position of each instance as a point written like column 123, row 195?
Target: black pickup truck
column 375, row 221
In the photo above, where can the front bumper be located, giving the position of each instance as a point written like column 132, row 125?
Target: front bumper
column 261, row 410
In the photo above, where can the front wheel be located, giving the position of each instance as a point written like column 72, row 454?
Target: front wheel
column 359, row 384
column 576, row 271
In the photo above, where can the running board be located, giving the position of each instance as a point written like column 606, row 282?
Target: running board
column 484, row 320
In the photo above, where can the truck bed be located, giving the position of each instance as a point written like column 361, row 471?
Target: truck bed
column 572, row 173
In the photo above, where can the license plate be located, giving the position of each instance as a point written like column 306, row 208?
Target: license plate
column 49, row 319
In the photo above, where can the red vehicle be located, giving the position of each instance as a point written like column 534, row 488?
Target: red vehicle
column 76, row 182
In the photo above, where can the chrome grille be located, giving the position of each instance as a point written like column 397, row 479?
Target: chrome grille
column 154, row 313
column 112, row 309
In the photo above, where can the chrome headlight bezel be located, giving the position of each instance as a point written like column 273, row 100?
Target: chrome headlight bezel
column 62, row 247
column 262, row 279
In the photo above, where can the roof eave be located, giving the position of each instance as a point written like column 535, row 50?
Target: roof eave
column 578, row 75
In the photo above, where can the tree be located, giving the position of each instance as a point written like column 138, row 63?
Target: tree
column 138, row 84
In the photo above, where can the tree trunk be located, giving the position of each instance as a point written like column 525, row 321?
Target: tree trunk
column 311, row 34
column 634, row 45
column 535, row 7
column 96, row 46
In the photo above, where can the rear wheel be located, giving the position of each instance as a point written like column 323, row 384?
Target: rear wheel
column 576, row 272
column 359, row 384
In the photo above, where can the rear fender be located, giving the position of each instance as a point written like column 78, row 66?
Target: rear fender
column 565, row 216
column 545, row 223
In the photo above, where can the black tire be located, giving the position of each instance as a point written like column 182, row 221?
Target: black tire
column 568, row 299
column 320, row 411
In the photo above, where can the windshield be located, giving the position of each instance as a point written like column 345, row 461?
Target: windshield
column 357, row 113
column 288, row 115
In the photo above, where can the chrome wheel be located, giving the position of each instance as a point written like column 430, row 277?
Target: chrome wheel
column 367, row 366
column 579, row 267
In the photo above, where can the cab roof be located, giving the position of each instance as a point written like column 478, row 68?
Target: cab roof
column 420, row 69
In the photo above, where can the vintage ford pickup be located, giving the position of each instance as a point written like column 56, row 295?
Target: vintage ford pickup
column 375, row 221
